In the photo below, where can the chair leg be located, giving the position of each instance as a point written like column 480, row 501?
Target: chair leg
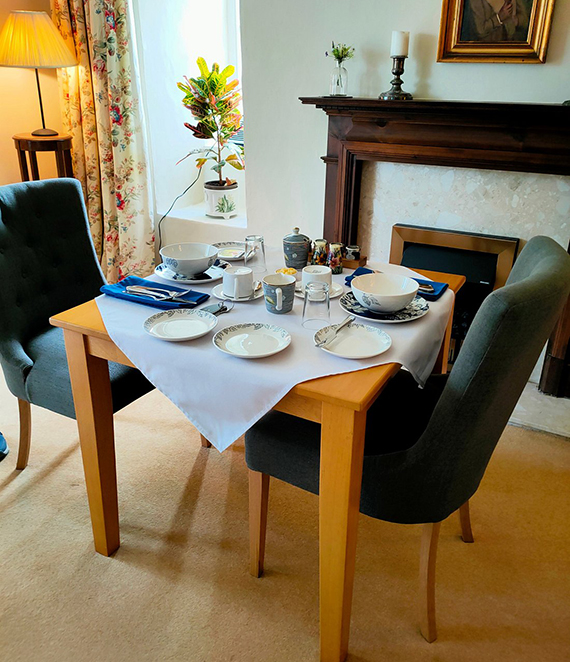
column 205, row 442
column 428, row 554
column 258, row 500
column 25, row 412
column 465, row 519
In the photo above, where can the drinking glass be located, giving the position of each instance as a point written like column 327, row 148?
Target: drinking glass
column 316, row 307
column 255, row 253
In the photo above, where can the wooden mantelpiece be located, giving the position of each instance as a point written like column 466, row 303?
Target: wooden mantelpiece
column 494, row 136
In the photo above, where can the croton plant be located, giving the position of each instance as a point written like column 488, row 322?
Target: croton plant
column 213, row 101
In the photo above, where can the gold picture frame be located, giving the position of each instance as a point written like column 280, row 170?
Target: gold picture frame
column 515, row 31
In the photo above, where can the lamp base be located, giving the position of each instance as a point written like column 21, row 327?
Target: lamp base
column 45, row 132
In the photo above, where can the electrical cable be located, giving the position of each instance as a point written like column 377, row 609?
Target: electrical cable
column 170, row 209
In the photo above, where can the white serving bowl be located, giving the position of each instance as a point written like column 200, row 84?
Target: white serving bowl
column 384, row 293
column 189, row 259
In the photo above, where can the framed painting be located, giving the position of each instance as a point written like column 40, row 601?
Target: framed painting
column 494, row 30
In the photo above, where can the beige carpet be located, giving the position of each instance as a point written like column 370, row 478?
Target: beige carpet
column 178, row 588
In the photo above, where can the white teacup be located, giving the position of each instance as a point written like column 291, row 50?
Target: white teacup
column 316, row 273
column 238, row 282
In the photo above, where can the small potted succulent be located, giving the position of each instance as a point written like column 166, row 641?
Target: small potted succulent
column 213, row 102
column 339, row 75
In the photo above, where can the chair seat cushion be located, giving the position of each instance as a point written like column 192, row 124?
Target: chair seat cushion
column 288, row 448
column 48, row 384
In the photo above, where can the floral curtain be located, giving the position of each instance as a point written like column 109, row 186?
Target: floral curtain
column 100, row 105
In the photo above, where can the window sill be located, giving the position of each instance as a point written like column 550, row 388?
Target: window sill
column 197, row 214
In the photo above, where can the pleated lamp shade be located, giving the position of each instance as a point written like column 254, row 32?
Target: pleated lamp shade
column 30, row 39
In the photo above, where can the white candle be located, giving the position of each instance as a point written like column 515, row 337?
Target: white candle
column 400, row 42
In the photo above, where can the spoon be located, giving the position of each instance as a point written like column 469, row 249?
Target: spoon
column 219, row 308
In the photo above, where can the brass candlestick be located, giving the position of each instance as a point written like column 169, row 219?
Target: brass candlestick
column 396, row 93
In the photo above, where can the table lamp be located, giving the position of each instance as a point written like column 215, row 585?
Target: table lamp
column 30, row 40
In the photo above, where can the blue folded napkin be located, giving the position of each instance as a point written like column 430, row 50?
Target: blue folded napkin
column 357, row 272
column 438, row 288
column 119, row 291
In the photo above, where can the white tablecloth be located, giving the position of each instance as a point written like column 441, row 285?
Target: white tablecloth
column 222, row 395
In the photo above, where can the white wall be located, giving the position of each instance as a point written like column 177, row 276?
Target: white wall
column 19, row 107
column 283, row 46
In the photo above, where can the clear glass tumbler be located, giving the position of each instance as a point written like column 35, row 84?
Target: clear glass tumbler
column 255, row 253
column 316, row 307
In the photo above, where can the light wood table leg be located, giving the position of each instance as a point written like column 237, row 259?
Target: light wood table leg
column 342, row 450
column 94, row 410
column 205, row 443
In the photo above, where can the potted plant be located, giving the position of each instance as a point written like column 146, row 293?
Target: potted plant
column 213, row 102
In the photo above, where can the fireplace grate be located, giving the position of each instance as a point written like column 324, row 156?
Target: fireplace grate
column 484, row 260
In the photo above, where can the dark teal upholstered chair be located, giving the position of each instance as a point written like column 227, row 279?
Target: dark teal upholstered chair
column 420, row 468
column 47, row 265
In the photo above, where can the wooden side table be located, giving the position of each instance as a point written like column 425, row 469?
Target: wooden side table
column 60, row 144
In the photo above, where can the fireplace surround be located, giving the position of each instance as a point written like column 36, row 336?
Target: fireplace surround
column 493, row 136
column 532, row 138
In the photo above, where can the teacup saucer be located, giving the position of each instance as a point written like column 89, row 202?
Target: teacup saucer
column 213, row 273
column 218, row 292
column 335, row 291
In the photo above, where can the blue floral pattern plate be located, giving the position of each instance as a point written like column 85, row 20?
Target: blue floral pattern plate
column 181, row 324
column 355, row 341
column 413, row 311
column 213, row 274
column 252, row 340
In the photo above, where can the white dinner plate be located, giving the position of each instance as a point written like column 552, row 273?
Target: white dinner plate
column 230, row 250
column 413, row 311
column 335, row 291
column 181, row 324
column 218, row 292
column 214, row 273
column 355, row 341
column 252, row 341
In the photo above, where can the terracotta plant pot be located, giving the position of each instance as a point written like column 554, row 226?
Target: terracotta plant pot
column 220, row 200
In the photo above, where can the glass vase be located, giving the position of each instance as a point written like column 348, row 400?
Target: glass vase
column 339, row 81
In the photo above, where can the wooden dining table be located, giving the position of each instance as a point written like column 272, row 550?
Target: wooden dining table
column 338, row 402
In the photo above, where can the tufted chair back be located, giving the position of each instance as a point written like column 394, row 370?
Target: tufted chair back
column 47, row 264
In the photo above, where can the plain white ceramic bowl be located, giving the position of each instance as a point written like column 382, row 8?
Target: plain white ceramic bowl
column 189, row 259
column 384, row 293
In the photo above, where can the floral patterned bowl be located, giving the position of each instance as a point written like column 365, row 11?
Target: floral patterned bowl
column 189, row 259
column 384, row 293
